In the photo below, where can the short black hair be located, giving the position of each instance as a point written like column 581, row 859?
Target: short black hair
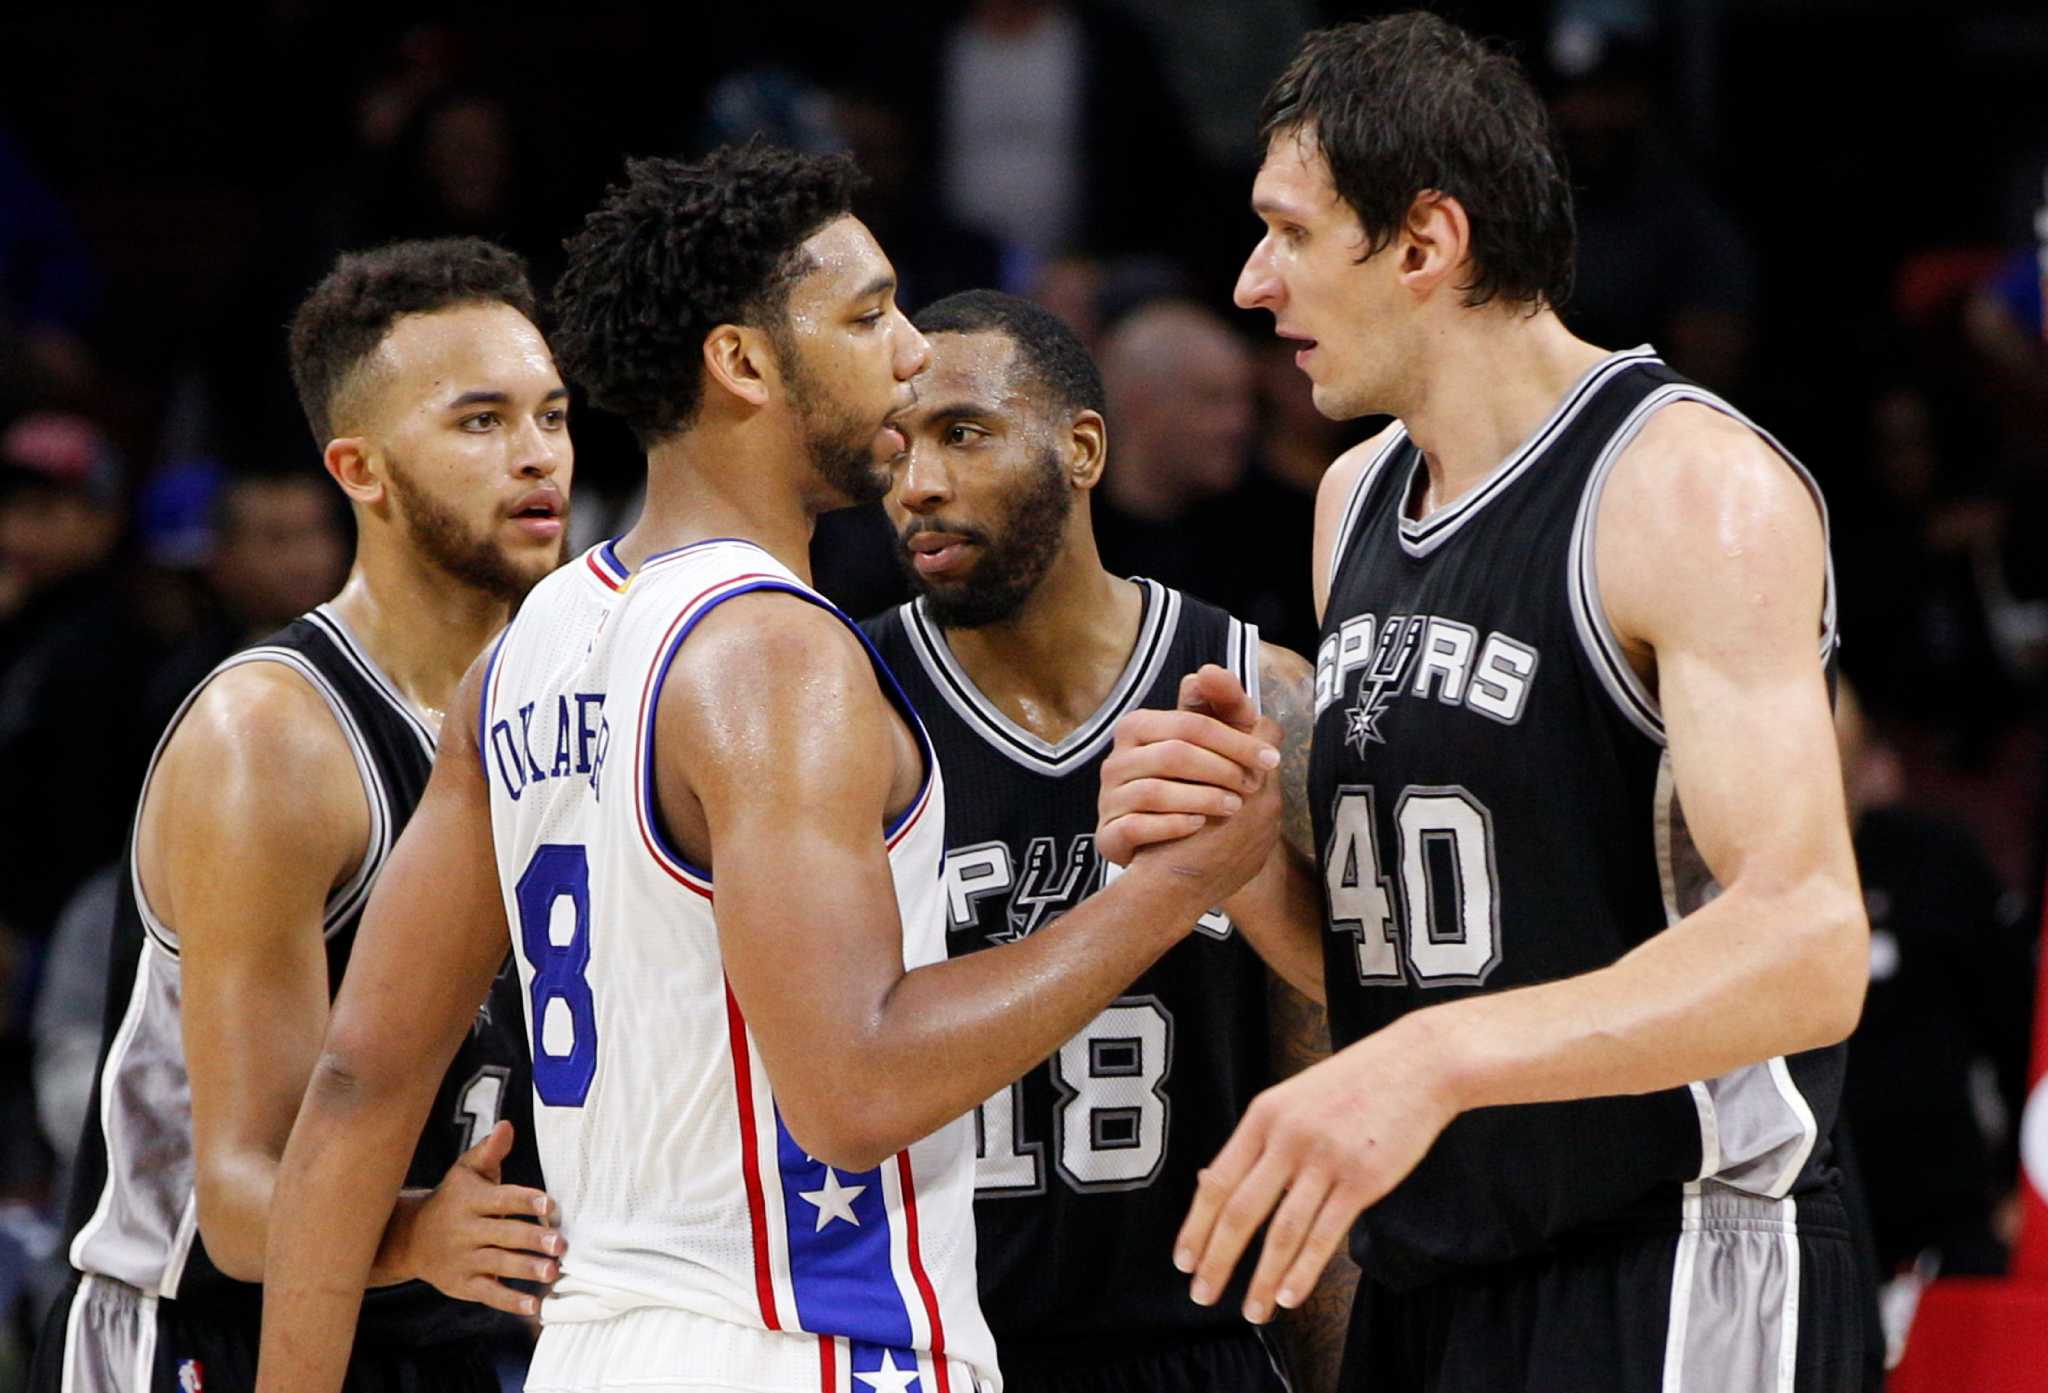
column 677, row 250
column 345, row 317
column 1047, row 348
column 1411, row 104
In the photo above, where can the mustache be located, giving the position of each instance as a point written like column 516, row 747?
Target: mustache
column 950, row 529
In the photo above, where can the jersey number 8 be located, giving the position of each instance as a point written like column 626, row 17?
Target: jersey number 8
column 557, row 948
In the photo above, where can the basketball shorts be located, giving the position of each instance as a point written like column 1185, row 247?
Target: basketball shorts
column 1753, row 1296
column 104, row 1336
column 1234, row 1363
column 664, row 1349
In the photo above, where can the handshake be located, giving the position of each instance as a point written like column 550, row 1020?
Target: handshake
column 1196, row 789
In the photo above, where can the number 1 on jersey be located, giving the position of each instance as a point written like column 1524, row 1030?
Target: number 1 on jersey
column 564, row 1014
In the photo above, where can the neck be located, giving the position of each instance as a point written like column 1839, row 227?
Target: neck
column 1485, row 384
column 1052, row 664
column 419, row 625
column 724, row 481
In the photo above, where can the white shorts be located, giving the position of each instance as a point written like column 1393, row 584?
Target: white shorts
column 659, row 1349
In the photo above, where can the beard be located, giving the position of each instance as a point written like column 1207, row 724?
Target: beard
column 1011, row 565
column 840, row 444
column 464, row 554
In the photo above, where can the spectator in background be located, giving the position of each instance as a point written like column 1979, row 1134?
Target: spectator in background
column 268, row 548
column 70, row 659
column 1179, row 386
column 1056, row 132
column 1937, row 1068
column 1659, row 257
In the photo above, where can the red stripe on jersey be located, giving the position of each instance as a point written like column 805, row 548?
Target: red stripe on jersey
column 924, row 1283
column 828, row 1376
column 750, row 1159
column 924, row 800
column 590, row 558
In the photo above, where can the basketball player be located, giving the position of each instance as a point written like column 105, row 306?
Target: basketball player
column 1592, row 931
column 266, row 816
column 1021, row 653
column 753, row 1109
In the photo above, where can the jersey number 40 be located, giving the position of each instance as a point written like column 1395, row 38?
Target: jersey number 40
column 1448, row 927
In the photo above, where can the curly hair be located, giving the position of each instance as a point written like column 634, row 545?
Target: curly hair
column 1411, row 104
column 677, row 250
column 1047, row 349
column 344, row 318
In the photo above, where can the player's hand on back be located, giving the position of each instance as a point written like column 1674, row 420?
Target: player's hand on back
column 1172, row 774
column 471, row 1231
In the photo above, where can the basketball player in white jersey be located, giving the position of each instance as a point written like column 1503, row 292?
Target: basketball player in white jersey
column 752, row 1108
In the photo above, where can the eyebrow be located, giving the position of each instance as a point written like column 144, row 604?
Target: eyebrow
column 963, row 410
column 879, row 285
column 1273, row 207
column 492, row 397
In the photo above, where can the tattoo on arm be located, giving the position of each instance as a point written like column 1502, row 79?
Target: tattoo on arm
column 1287, row 690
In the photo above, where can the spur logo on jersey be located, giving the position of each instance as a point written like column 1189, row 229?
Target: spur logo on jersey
column 578, row 743
column 1420, row 655
column 1055, row 878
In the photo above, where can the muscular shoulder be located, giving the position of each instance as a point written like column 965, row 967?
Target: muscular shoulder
column 258, row 770
column 772, row 688
column 1702, row 517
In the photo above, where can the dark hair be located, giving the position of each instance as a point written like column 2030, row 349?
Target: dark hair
column 677, row 250
column 354, row 306
column 1046, row 347
column 1411, row 104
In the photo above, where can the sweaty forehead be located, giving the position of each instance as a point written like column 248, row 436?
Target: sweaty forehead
column 1295, row 176
column 978, row 367
column 844, row 260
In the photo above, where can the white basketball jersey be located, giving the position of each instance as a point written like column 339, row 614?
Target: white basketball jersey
column 656, row 1121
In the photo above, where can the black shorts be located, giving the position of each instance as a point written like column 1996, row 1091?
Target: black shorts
column 1755, row 1297
column 104, row 1336
column 1234, row 1363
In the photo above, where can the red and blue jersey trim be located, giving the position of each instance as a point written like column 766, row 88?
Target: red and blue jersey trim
column 695, row 878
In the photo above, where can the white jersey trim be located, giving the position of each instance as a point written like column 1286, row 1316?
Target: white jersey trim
column 1420, row 538
column 1589, row 614
column 1156, row 630
column 353, row 891
column 1355, row 505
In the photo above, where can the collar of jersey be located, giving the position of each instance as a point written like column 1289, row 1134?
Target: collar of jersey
column 1419, row 538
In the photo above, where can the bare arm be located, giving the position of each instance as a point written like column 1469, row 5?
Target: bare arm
column 1710, row 562
column 254, row 813
column 1281, row 909
column 794, row 806
column 430, row 943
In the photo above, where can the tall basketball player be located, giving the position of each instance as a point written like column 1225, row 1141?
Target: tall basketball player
column 1591, row 932
column 267, row 815
column 701, row 808
column 1021, row 654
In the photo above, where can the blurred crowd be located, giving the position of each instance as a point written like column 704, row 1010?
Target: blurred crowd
column 172, row 181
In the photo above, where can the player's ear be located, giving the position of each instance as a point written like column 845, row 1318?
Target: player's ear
column 1436, row 237
column 1087, row 449
column 739, row 360
column 352, row 462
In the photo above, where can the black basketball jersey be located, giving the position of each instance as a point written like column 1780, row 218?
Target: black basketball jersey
column 1085, row 1167
column 134, row 1213
column 1494, row 805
